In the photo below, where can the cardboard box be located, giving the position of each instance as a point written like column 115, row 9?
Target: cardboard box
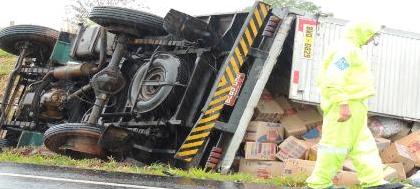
column 260, row 151
column 390, row 174
column 345, row 178
column 349, row 178
column 293, row 126
column 382, row 143
column 300, row 107
column 262, row 169
column 399, row 167
column 311, row 118
column 412, row 142
column 298, row 167
column 267, row 109
column 259, row 131
column 292, row 148
column 312, row 153
column 397, row 153
column 286, row 105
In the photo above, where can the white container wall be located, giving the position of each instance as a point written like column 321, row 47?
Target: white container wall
column 395, row 64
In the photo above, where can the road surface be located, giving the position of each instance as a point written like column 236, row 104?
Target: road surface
column 23, row 176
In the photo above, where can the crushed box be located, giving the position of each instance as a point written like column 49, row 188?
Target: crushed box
column 412, row 142
column 349, row 178
column 267, row 109
column 310, row 117
column 285, row 105
column 345, row 178
column 397, row 153
column 259, row 131
column 262, row 169
column 260, row 151
column 300, row 107
column 298, row 167
column 293, row 126
column 390, row 174
column 382, row 143
column 292, row 148
column 399, row 167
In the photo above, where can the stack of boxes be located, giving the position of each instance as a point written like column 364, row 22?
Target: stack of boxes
column 263, row 135
column 282, row 140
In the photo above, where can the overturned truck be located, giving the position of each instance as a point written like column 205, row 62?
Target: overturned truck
column 179, row 89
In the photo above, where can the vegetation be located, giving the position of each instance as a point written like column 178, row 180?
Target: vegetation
column 78, row 10
column 43, row 157
column 6, row 65
column 299, row 4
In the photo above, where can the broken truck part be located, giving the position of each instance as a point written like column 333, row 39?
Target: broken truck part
column 179, row 89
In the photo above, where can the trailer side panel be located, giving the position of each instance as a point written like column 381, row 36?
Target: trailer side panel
column 395, row 64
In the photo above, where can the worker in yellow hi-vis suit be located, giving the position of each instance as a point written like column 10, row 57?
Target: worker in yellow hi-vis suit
column 346, row 83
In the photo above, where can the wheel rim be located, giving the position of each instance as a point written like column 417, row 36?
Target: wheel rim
column 75, row 142
column 149, row 91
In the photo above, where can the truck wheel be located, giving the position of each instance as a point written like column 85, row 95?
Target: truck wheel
column 42, row 40
column 162, row 88
column 76, row 140
column 4, row 143
column 127, row 21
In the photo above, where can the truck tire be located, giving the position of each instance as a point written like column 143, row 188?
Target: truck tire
column 42, row 40
column 58, row 136
column 164, row 99
column 4, row 143
column 127, row 21
column 190, row 28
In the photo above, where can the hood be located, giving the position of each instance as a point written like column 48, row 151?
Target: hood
column 359, row 33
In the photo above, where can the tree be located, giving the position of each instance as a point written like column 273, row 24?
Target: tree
column 299, row 4
column 78, row 10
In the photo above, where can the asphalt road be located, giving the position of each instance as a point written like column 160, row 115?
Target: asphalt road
column 22, row 176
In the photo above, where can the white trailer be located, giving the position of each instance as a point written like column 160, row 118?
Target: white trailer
column 395, row 65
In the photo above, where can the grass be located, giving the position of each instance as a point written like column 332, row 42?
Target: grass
column 41, row 156
column 6, row 63
column 44, row 157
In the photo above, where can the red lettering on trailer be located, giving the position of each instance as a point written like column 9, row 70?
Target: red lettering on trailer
column 235, row 89
column 305, row 21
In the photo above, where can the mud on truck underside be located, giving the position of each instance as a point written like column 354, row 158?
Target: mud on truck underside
column 171, row 89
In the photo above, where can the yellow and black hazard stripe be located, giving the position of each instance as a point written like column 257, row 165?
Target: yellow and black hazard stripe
column 202, row 129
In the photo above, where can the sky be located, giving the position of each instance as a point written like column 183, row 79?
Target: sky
column 51, row 13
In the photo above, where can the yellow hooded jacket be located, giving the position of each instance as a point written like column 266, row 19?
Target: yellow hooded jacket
column 345, row 75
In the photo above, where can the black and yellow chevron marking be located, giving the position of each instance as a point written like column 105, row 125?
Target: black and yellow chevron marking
column 202, row 129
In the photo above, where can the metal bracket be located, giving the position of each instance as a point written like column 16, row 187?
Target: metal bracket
column 160, row 83
column 225, row 127
column 154, row 150
column 258, row 53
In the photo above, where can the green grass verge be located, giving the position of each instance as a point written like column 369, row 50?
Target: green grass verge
column 6, row 63
column 3, row 54
column 31, row 156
